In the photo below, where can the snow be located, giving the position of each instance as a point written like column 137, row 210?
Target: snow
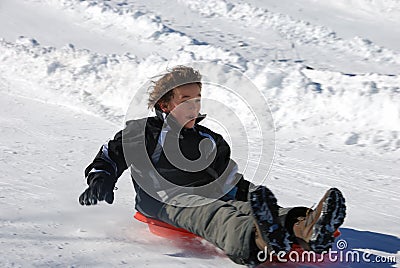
column 69, row 70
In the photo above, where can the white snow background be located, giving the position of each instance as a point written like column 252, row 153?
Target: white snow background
column 69, row 68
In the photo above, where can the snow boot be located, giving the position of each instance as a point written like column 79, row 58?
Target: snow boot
column 316, row 230
column 269, row 233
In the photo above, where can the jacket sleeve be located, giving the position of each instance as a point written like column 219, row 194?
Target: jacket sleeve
column 109, row 163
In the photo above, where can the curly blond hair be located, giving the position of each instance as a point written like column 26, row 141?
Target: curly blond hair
column 161, row 90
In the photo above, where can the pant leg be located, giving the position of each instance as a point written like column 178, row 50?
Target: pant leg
column 228, row 225
column 242, row 206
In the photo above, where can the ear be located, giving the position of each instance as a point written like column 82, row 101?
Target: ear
column 164, row 107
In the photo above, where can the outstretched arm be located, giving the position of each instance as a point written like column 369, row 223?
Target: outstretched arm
column 103, row 172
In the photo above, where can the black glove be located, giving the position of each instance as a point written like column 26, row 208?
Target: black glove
column 100, row 189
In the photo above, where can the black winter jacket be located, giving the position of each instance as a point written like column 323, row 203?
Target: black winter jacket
column 142, row 145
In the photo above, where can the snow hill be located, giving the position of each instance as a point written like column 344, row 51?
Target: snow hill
column 69, row 69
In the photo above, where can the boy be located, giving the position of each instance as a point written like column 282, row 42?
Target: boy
column 161, row 151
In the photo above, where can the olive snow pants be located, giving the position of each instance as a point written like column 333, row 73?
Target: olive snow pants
column 229, row 225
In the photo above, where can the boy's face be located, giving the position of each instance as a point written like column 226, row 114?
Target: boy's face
column 185, row 104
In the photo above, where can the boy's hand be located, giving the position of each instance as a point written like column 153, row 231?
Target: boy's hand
column 99, row 190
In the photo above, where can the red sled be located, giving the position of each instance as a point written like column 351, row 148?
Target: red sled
column 165, row 230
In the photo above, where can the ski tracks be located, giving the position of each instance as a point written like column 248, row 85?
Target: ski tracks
column 295, row 32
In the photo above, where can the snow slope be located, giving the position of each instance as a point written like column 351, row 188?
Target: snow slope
column 68, row 70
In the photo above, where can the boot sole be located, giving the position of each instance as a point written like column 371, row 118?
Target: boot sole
column 266, row 212
column 332, row 216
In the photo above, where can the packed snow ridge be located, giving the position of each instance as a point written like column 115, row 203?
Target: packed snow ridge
column 356, row 110
column 298, row 32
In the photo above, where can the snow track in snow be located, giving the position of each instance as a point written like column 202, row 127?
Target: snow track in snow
column 296, row 32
